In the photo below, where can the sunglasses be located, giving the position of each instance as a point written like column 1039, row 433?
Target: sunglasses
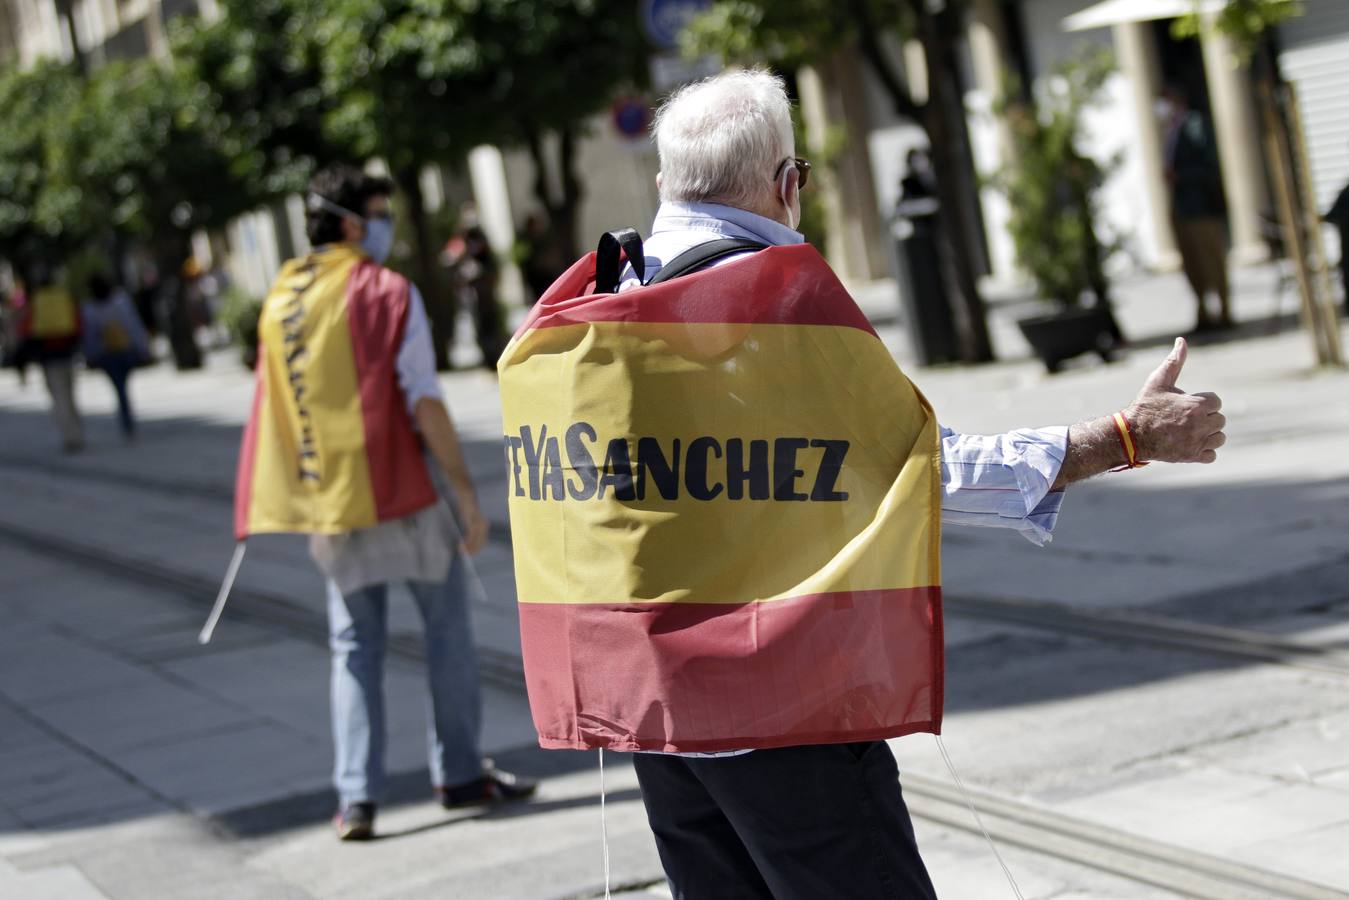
column 802, row 169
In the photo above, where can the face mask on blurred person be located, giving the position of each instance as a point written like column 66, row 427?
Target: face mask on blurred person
column 378, row 240
column 1163, row 109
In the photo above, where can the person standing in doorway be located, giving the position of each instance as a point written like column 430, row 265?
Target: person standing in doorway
column 1198, row 208
column 114, row 341
column 476, row 275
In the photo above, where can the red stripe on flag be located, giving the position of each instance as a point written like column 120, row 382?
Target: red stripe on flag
column 377, row 305
column 685, row 677
column 248, row 449
column 789, row 285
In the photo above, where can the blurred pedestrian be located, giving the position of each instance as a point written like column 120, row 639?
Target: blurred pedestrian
column 52, row 326
column 115, row 342
column 476, row 274
column 347, row 403
column 758, row 627
column 1338, row 215
column 1198, row 208
column 13, row 339
column 185, row 315
column 147, row 297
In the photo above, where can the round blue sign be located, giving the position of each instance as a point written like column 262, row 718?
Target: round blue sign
column 665, row 19
column 631, row 117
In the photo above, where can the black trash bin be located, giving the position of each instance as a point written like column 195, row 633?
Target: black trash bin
column 927, row 306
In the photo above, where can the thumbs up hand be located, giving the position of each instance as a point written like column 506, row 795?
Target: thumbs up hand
column 1172, row 426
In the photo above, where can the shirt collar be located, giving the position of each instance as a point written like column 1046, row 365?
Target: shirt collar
column 728, row 221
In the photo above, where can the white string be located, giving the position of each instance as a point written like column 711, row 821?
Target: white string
column 604, row 828
column 950, row 767
column 204, row 637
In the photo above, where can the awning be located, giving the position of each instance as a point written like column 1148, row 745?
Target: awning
column 1118, row 12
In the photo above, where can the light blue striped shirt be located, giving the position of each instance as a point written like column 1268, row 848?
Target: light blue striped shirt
column 999, row 481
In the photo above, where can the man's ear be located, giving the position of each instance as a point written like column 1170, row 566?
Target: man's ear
column 793, row 191
column 658, row 181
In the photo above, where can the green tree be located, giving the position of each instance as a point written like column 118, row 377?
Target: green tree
column 258, row 88
column 132, row 156
column 789, row 33
column 34, row 223
column 417, row 82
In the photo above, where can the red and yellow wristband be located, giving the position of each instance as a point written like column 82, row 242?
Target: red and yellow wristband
column 1126, row 437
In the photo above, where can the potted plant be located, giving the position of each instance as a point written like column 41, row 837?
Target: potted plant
column 1052, row 190
column 240, row 314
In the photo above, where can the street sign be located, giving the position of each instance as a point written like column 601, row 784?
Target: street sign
column 631, row 116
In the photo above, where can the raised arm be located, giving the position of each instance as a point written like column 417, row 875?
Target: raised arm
column 1165, row 423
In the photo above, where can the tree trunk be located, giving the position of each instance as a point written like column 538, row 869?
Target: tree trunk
column 944, row 120
column 180, row 300
column 426, row 270
column 66, row 10
column 562, row 212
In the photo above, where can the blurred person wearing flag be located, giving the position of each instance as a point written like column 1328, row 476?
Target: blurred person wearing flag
column 347, row 402
column 50, row 326
column 726, row 502
column 115, row 341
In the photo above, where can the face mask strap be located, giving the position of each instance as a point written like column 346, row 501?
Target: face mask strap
column 318, row 201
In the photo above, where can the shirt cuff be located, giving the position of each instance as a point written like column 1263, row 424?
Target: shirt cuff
column 1035, row 457
column 1004, row 481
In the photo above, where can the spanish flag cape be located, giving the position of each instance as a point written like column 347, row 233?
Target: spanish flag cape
column 329, row 446
column 724, row 500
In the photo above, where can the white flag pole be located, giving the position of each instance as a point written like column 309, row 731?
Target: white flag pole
column 225, row 587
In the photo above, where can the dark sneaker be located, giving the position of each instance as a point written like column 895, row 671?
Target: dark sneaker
column 356, row 822
column 494, row 786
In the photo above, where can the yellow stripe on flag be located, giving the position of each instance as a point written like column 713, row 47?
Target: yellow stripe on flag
column 311, row 407
column 720, row 390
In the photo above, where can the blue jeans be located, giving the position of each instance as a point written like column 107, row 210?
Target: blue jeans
column 118, row 367
column 357, row 628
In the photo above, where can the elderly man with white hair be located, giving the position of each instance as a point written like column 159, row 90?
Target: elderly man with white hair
column 767, row 816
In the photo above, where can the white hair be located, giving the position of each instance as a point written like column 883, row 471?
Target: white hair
column 721, row 138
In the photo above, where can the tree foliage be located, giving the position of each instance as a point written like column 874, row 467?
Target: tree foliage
column 257, row 81
column 134, row 152
column 1247, row 22
column 31, row 223
column 119, row 152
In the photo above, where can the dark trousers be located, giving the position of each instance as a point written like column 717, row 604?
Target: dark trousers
column 118, row 368
column 798, row 823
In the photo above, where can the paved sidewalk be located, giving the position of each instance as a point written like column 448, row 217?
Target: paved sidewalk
column 134, row 763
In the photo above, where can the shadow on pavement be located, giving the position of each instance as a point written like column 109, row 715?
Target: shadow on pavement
column 413, row 788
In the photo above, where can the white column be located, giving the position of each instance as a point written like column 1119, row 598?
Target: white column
column 833, row 94
column 1139, row 63
column 1238, row 145
column 491, row 192
column 990, row 138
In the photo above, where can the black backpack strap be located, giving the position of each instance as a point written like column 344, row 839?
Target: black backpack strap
column 695, row 258
column 609, row 258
